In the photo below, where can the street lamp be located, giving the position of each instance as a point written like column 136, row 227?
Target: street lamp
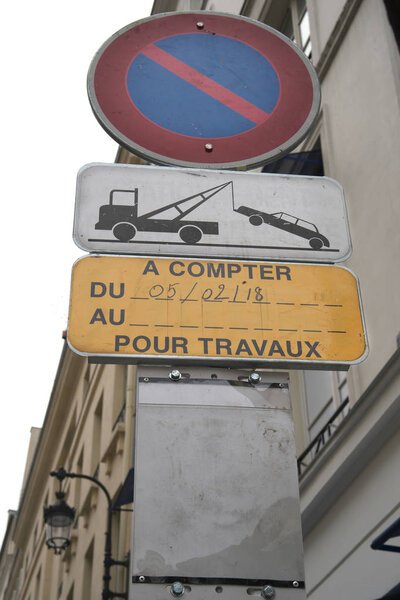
column 58, row 519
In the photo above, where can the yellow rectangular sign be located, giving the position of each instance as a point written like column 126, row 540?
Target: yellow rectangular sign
column 142, row 308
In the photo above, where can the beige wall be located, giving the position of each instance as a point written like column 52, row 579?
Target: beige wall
column 228, row 6
column 324, row 15
column 344, row 565
column 360, row 115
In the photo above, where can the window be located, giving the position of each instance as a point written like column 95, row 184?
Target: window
column 77, row 481
column 309, row 162
column 37, row 585
column 287, row 25
column 35, row 534
column 119, row 395
column 71, row 593
column 86, row 381
column 67, row 442
column 87, row 573
column 326, row 396
column 303, row 22
column 96, row 443
column 296, row 25
column 393, row 13
column 319, row 400
column 343, row 388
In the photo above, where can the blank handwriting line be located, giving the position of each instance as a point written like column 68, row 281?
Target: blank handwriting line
column 333, row 305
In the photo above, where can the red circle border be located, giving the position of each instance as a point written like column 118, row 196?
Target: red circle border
column 119, row 116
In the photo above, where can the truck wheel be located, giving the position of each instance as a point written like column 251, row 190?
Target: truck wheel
column 124, row 231
column 256, row 220
column 190, row 234
column 316, row 243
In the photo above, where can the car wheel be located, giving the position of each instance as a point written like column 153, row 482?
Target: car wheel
column 256, row 220
column 316, row 243
column 190, row 234
column 124, row 231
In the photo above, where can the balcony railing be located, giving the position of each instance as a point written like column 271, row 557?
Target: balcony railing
column 316, row 445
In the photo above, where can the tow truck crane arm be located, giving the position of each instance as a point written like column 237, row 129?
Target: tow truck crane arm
column 206, row 195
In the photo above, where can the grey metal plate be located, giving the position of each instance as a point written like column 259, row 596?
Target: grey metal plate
column 221, row 214
column 216, row 489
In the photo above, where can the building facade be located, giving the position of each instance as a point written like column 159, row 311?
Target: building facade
column 88, row 429
column 346, row 422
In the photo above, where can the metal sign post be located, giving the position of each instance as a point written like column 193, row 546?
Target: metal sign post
column 216, row 492
column 192, row 212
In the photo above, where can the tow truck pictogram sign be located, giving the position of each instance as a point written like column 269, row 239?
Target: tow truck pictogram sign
column 125, row 209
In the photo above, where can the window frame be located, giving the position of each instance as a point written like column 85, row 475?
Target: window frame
column 296, row 19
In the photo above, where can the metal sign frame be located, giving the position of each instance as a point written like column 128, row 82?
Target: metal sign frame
column 267, row 135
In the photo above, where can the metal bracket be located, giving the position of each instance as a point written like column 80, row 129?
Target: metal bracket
column 278, row 583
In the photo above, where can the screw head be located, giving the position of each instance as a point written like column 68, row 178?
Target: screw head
column 142, row 578
column 268, row 592
column 254, row 378
column 177, row 589
column 295, row 584
column 175, row 375
column 200, row 25
column 208, row 147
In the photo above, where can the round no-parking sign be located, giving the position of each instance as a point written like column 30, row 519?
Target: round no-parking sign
column 203, row 89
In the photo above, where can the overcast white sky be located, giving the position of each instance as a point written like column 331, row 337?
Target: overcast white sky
column 48, row 132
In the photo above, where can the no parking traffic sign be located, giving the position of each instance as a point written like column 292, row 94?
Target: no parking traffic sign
column 203, row 89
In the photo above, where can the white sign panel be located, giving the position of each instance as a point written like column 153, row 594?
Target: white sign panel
column 129, row 209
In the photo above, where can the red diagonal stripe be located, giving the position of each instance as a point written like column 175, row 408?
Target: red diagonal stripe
column 205, row 84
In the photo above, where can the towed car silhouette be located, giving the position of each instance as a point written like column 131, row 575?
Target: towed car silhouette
column 288, row 223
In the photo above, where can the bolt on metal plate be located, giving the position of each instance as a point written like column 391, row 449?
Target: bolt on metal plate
column 268, row 592
column 175, row 375
column 254, row 378
column 177, row 589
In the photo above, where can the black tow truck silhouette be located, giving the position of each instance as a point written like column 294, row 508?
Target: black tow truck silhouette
column 288, row 223
column 124, row 220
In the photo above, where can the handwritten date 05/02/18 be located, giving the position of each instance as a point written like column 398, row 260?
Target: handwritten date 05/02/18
column 196, row 293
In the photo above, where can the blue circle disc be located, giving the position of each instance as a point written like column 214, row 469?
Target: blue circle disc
column 164, row 93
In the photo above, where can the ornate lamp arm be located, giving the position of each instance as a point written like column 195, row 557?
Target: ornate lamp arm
column 61, row 474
